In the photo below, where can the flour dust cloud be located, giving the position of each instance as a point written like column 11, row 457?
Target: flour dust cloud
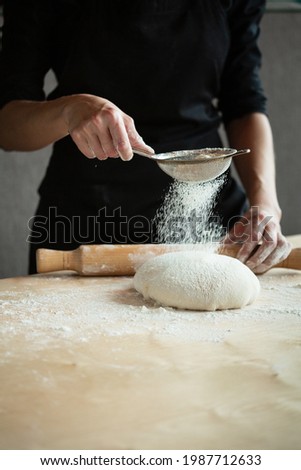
column 186, row 215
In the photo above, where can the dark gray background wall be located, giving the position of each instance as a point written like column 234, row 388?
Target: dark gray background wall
column 21, row 173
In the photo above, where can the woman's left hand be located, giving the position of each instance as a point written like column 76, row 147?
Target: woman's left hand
column 263, row 244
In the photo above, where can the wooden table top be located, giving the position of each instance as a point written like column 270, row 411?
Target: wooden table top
column 86, row 363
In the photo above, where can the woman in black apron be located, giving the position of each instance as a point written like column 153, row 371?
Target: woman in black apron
column 171, row 71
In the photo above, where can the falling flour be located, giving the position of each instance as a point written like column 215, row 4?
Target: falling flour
column 186, row 215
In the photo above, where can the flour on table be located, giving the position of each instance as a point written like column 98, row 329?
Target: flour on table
column 197, row 281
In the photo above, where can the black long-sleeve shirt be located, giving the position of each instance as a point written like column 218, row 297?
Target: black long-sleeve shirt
column 178, row 67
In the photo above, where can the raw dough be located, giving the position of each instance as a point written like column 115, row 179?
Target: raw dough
column 196, row 280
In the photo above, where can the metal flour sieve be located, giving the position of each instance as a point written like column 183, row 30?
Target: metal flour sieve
column 195, row 166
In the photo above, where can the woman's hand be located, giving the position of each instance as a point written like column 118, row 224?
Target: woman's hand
column 263, row 244
column 100, row 129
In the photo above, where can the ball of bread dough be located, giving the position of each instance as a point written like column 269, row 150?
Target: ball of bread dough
column 196, row 280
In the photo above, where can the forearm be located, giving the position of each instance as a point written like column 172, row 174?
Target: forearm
column 31, row 125
column 97, row 127
column 257, row 170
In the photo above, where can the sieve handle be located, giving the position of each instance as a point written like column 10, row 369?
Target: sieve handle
column 241, row 152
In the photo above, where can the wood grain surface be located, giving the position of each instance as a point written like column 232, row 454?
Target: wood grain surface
column 86, row 363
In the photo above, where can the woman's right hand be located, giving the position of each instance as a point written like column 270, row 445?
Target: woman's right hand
column 100, row 129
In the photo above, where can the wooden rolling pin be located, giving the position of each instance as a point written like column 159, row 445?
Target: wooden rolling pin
column 123, row 260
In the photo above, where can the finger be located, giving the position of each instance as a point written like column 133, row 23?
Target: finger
column 253, row 238
column 135, row 138
column 269, row 243
column 254, row 231
column 279, row 254
column 240, row 232
column 119, row 136
column 98, row 135
column 82, row 144
column 106, row 143
column 121, row 142
column 96, row 147
column 237, row 233
column 93, row 155
column 261, row 254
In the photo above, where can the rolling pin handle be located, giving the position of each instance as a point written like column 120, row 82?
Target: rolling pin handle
column 49, row 260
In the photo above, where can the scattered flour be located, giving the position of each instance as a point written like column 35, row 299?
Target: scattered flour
column 76, row 310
